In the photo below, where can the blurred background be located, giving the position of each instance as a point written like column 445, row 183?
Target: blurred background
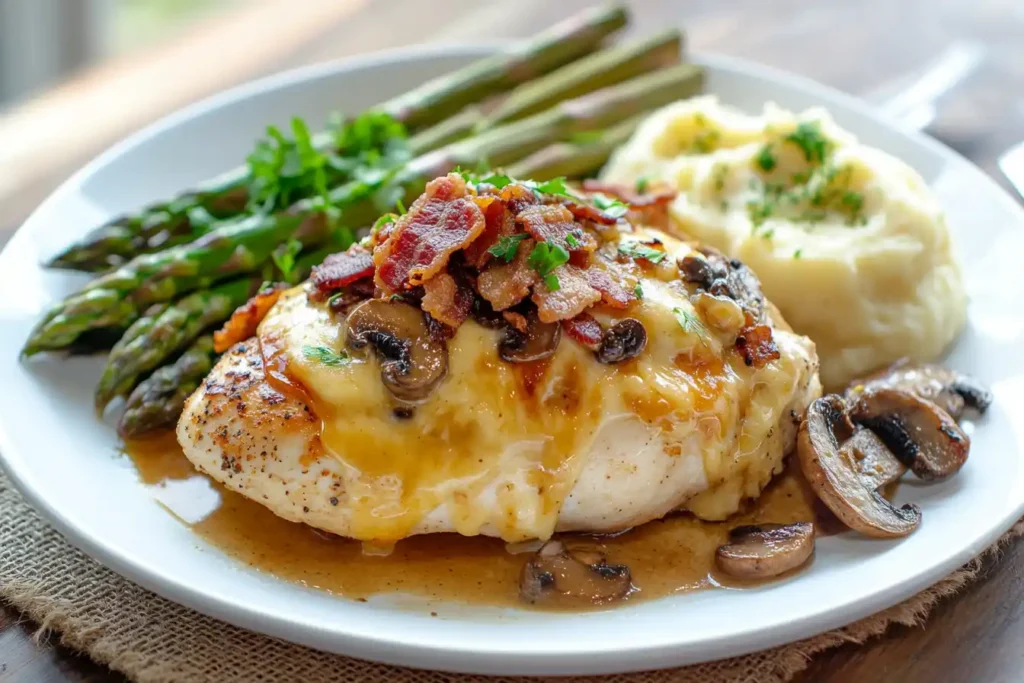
column 78, row 75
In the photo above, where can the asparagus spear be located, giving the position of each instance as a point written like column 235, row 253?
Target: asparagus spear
column 152, row 339
column 430, row 103
column 576, row 159
column 599, row 70
column 158, row 401
column 243, row 246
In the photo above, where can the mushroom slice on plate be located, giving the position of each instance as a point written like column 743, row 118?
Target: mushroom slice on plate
column 559, row 575
column 833, row 474
column 948, row 389
column 766, row 550
column 922, row 435
column 413, row 362
column 626, row 339
column 539, row 341
column 874, row 461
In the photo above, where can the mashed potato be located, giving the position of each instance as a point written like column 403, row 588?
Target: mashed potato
column 847, row 240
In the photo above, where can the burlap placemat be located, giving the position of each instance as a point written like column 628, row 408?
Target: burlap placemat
column 151, row 640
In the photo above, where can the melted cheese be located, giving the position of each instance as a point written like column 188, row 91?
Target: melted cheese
column 500, row 446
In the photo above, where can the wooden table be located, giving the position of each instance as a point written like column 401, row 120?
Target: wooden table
column 861, row 46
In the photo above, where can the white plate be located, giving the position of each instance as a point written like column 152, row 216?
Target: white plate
column 66, row 462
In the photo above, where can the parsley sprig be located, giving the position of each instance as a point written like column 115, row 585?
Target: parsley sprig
column 507, row 246
column 544, row 259
column 611, row 206
column 690, row 323
column 326, row 356
column 284, row 258
column 640, row 250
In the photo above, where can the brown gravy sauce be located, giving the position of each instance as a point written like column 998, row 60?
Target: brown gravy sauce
column 673, row 555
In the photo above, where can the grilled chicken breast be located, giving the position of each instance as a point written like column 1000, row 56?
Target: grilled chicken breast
column 303, row 421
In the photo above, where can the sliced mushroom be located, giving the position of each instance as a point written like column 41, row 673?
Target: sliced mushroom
column 923, row 436
column 624, row 340
column 413, row 362
column 767, row 550
column 832, row 473
column 539, row 341
column 713, row 272
column 559, row 575
column 948, row 389
column 875, row 463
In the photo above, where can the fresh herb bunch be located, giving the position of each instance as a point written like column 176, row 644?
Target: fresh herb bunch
column 283, row 170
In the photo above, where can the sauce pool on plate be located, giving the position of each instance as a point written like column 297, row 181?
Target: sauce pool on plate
column 673, row 555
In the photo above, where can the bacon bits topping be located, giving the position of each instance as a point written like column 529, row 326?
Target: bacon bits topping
column 446, row 300
column 616, row 288
column 573, row 296
column 518, row 197
column 506, row 284
column 439, row 223
column 498, row 222
column 585, row 330
column 243, row 322
column 554, row 225
column 338, row 270
column 756, row 346
column 527, row 259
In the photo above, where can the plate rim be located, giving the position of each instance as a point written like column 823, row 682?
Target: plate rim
column 476, row 659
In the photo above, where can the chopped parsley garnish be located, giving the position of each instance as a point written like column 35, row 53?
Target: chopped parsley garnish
column 544, row 259
column 554, row 186
column 507, row 246
column 572, row 240
column 639, row 291
column 641, row 250
column 809, row 138
column 690, row 323
column 706, row 141
column 798, row 253
column 642, row 183
column 719, row 174
column 611, row 206
column 386, row 219
column 284, row 258
column 282, row 170
column 759, row 212
column 498, row 180
column 768, row 234
column 854, row 201
column 326, row 356
column 766, row 159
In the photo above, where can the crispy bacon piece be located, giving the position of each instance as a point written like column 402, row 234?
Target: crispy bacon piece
column 504, row 285
column 439, row 223
column 518, row 197
column 589, row 212
column 446, row 299
column 756, row 345
column 516, row 320
column 243, row 322
column 553, row 223
column 613, row 280
column 341, row 269
column 585, row 330
column 573, row 296
column 350, row 295
column 498, row 222
column 662, row 194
